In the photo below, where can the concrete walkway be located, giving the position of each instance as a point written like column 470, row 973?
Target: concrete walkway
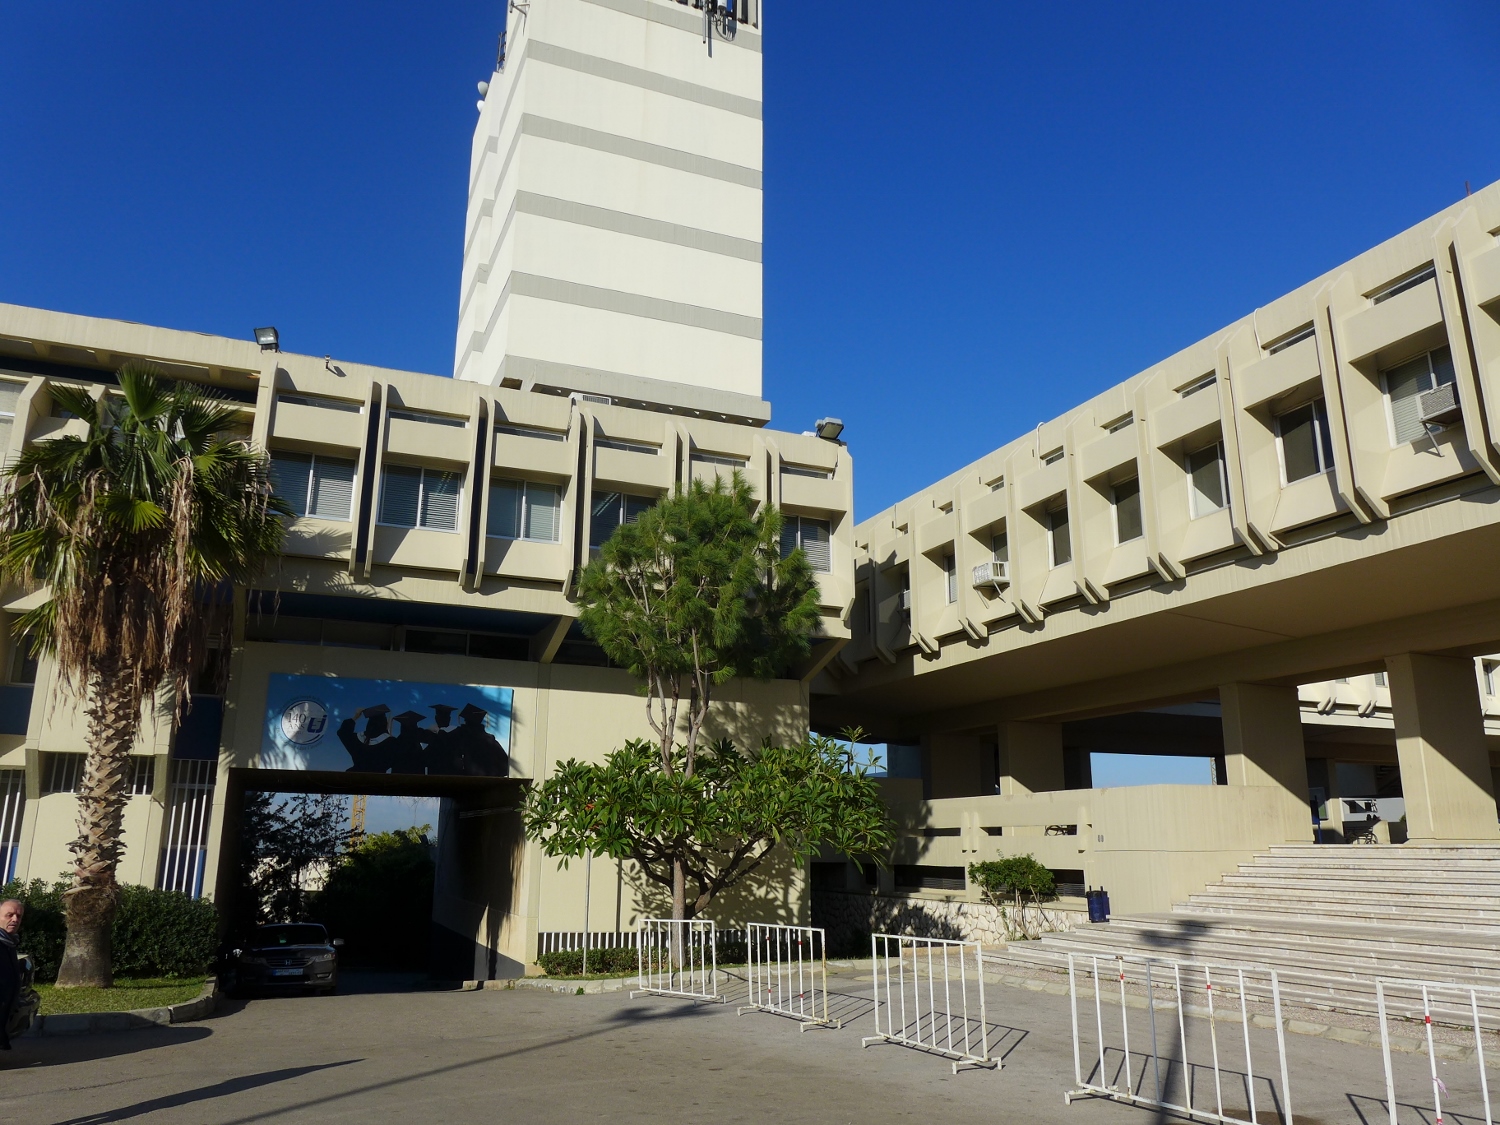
column 539, row 1057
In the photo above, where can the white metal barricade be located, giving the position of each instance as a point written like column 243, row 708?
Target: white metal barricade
column 922, row 998
column 677, row 958
column 787, row 970
column 1168, row 992
column 1457, row 1004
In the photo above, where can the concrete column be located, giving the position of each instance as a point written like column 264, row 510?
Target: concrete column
column 1263, row 746
column 953, row 765
column 1031, row 758
column 1445, row 766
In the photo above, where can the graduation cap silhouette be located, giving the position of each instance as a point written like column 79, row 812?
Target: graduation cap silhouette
column 472, row 712
column 444, row 714
column 409, row 719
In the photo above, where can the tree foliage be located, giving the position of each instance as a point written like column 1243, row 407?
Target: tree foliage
column 717, row 824
column 693, row 594
column 135, row 529
column 288, row 844
column 379, row 899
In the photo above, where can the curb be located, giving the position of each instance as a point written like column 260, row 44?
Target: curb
column 84, row 1023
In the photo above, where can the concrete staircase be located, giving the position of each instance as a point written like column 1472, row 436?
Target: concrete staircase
column 1328, row 919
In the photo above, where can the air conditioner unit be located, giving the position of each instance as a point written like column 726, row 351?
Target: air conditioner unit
column 603, row 400
column 903, row 600
column 996, row 574
column 1439, row 406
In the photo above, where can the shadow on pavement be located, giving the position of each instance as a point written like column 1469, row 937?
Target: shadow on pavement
column 201, row 1094
column 58, row 1050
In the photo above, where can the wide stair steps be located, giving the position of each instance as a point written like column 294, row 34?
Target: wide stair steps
column 1328, row 919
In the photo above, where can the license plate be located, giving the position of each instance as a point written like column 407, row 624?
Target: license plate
column 286, row 972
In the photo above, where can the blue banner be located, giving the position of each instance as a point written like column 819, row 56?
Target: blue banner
column 385, row 726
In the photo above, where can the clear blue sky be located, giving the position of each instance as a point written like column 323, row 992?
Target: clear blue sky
column 1009, row 207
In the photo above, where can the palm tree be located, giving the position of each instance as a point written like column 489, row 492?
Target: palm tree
column 136, row 530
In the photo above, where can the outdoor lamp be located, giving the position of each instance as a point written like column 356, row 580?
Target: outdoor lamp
column 829, row 429
column 268, row 339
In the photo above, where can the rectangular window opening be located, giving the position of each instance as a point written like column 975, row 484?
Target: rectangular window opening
column 420, row 498
column 1127, row 503
column 813, row 536
column 525, row 510
column 1206, row 483
column 1405, row 385
column 1295, row 338
column 1059, row 541
column 1306, row 445
column 1426, row 273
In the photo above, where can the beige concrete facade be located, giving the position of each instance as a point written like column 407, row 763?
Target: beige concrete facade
column 1285, row 531
column 356, row 591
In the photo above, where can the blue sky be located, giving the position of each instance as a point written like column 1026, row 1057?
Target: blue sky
column 1009, row 208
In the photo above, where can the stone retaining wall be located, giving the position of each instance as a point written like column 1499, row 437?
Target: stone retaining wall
column 850, row 917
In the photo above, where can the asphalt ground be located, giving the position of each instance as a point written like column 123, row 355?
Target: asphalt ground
column 380, row 1052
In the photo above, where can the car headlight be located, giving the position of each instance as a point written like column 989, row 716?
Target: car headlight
column 323, row 956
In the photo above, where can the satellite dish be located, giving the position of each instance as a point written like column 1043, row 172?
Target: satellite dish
column 484, row 88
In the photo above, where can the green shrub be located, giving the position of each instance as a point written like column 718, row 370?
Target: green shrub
column 569, row 962
column 156, row 933
column 1008, row 881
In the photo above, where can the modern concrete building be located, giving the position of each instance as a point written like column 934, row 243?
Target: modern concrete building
column 609, row 350
column 1305, row 498
column 613, row 239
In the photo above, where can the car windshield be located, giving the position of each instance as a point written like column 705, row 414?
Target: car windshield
column 291, row 935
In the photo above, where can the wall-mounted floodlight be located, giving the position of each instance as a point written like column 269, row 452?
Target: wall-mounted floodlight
column 268, row 339
column 829, row 429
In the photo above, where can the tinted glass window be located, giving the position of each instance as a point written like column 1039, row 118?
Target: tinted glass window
column 291, row 935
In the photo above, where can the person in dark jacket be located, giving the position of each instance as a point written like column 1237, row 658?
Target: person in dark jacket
column 11, row 911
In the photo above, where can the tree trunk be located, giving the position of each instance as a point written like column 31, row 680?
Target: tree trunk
column 114, row 718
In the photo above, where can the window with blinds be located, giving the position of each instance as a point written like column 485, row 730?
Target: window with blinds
column 525, row 510
column 1404, row 387
column 950, row 568
column 10, row 394
column 426, row 498
column 1059, row 538
column 314, row 485
column 812, row 536
column 610, row 510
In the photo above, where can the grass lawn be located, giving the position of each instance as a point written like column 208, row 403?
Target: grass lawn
column 125, row 996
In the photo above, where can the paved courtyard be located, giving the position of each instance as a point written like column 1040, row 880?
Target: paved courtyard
column 374, row 1056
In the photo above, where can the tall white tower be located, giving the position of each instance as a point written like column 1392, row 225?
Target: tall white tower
column 613, row 241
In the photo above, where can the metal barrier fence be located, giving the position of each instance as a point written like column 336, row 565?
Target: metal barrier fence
column 911, row 971
column 1444, row 1003
column 788, row 973
column 1227, row 993
column 677, row 958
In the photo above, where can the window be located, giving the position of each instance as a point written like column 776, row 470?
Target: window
column 922, row 877
column 997, row 484
column 1489, row 667
column 717, row 459
column 1200, row 384
column 1306, row 446
column 627, row 446
column 1052, row 458
column 426, row 498
column 813, row 536
column 1404, row 387
column 1380, row 680
column 22, row 661
column 516, row 430
column 1127, row 502
column 950, row 566
column 314, row 485
column 1120, row 423
column 1295, row 338
column 1059, row 542
column 1426, row 273
column 322, row 403
column 789, row 470
column 525, row 510
column 1205, row 469
column 611, row 509
column 429, row 418
column 142, row 775
column 10, row 394
column 62, row 773
column 1000, row 547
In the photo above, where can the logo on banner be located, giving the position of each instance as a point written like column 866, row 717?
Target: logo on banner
column 304, row 721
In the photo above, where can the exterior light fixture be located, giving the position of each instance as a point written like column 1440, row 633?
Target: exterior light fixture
column 268, row 339
column 829, row 429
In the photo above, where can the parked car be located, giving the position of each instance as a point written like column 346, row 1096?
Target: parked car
column 27, row 1001
column 285, row 955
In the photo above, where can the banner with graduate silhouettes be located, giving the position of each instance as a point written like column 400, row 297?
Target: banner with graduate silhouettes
column 386, row 726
